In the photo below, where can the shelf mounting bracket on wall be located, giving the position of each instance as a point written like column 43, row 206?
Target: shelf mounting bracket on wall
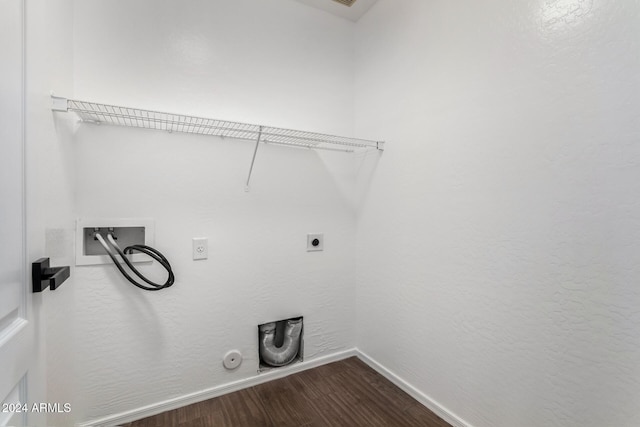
column 253, row 159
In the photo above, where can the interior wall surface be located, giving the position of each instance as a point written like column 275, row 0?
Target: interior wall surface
column 275, row 63
column 498, row 237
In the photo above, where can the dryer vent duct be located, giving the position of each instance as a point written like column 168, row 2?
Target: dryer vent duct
column 345, row 2
column 279, row 346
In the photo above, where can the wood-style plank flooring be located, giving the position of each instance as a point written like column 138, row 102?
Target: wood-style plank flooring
column 344, row 393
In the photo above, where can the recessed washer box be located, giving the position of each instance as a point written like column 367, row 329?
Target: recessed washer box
column 128, row 231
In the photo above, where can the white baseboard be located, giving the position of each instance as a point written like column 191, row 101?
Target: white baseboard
column 434, row 406
column 199, row 396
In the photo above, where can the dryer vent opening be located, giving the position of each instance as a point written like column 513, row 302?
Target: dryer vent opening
column 280, row 343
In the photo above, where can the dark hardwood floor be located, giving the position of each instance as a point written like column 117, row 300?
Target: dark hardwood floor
column 344, row 393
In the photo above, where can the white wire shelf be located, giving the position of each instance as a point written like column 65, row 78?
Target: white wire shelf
column 93, row 112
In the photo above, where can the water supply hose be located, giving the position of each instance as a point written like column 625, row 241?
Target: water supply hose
column 147, row 250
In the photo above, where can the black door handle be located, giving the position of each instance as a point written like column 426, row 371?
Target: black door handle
column 45, row 276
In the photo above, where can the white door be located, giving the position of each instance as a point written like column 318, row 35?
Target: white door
column 16, row 332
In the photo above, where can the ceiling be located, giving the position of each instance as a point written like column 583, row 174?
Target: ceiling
column 352, row 13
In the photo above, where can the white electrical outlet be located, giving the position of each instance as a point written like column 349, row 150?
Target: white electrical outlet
column 200, row 248
column 315, row 242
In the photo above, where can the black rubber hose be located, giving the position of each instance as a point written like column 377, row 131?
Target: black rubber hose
column 147, row 250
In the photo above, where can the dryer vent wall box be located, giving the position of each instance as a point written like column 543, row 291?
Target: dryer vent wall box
column 126, row 232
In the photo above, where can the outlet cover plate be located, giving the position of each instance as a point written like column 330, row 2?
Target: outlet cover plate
column 200, row 248
column 315, row 242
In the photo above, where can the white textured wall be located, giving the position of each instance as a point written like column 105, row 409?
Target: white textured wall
column 498, row 242
column 278, row 63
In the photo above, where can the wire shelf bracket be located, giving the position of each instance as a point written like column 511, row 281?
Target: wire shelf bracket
column 253, row 159
column 96, row 113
